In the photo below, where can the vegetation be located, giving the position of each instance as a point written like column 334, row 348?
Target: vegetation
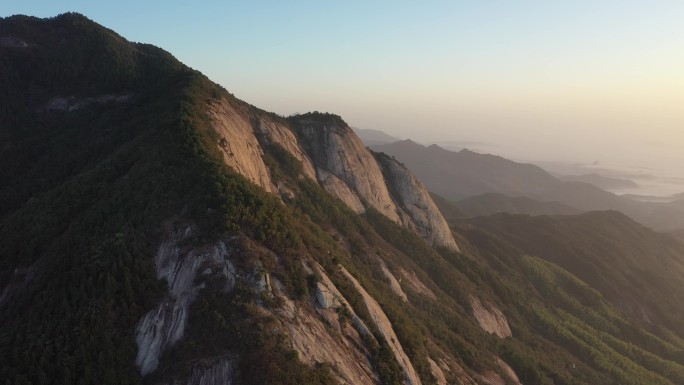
column 80, row 227
column 86, row 196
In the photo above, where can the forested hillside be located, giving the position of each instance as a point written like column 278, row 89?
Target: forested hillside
column 157, row 230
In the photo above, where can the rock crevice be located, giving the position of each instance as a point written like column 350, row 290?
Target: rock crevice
column 384, row 326
column 162, row 327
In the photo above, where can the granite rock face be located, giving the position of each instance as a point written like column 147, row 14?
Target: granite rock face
column 419, row 212
column 240, row 147
column 384, row 326
column 335, row 148
column 162, row 327
column 491, row 319
column 332, row 155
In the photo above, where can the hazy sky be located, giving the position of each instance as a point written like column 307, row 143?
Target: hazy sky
column 570, row 80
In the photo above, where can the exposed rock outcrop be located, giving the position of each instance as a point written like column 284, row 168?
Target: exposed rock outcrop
column 490, row 318
column 385, row 327
column 274, row 132
column 341, row 190
column 163, row 326
column 490, row 377
column 315, row 343
column 393, row 282
column 332, row 155
column 239, row 145
column 219, row 372
column 437, row 372
column 416, row 285
column 508, row 371
column 334, row 148
column 350, row 171
column 329, row 297
column 328, row 339
column 418, row 212
column 445, row 365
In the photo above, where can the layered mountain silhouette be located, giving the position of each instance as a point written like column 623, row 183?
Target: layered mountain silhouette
column 604, row 182
column 463, row 174
column 374, row 137
column 158, row 230
column 467, row 174
column 493, row 203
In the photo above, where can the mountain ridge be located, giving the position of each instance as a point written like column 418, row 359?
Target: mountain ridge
column 493, row 203
column 137, row 250
column 460, row 175
column 372, row 137
column 435, row 165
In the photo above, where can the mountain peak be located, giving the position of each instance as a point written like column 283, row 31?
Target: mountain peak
column 319, row 119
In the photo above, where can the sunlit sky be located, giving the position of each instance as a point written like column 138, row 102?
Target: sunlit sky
column 565, row 80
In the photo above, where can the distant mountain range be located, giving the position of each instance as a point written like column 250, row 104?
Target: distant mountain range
column 155, row 229
column 604, row 182
column 585, row 246
column 458, row 175
column 651, row 198
column 467, row 174
column 492, row 203
column 374, row 137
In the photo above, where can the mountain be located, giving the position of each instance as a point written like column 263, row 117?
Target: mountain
column 465, row 174
column 158, row 230
column 600, row 181
column 136, row 194
column 373, row 137
column 657, row 215
column 626, row 273
column 447, row 208
column 457, row 175
column 488, row 204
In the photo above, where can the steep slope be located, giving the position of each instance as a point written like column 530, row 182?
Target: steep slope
column 148, row 258
column 342, row 157
column 624, row 261
column 420, row 213
column 331, row 154
column 87, row 232
column 160, row 258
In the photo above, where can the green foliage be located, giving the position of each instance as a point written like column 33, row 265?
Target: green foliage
column 280, row 162
column 80, row 223
column 79, row 226
column 221, row 325
column 572, row 317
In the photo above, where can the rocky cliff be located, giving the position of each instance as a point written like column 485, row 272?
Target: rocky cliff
column 418, row 212
column 331, row 154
